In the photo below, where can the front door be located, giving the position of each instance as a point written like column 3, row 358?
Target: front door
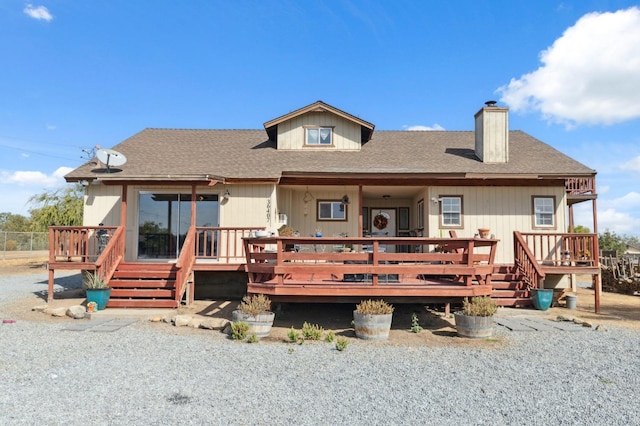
column 164, row 220
column 383, row 224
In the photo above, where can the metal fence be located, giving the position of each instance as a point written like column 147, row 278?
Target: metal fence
column 16, row 245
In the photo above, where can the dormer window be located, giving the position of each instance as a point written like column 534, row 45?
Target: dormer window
column 318, row 136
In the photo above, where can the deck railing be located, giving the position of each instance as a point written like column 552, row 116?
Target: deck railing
column 184, row 266
column 78, row 243
column 563, row 249
column 222, row 244
column 526, row 262
column 580, row 186
column 377, row 259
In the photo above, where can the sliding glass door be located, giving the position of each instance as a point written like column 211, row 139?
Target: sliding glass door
column 164, row 220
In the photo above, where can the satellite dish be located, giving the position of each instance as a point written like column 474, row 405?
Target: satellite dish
column 110, row 157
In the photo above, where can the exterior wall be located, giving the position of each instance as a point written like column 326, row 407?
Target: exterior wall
column 303, row 215
column 346, row 134
column 102, row 205
column 502, row 209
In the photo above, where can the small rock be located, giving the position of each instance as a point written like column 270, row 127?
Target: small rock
column 194, row 322
column 76, row 312
column 227, row 329
column 59, row 312
column 601, row 328
column 181, row 320
column 587, row 324
column 578, row 321
column 569, row 318
column 156, row 319
column 8, row 321
column 169, row 320
column 39, row 308
column 214, row 323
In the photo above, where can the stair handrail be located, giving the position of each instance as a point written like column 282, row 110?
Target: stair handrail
column 111, row 256
column 526, row 262
column 184, row 265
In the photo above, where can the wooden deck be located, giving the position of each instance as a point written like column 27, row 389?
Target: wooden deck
column 372, row 267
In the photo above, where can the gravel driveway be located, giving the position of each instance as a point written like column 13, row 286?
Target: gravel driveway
column 145, row 374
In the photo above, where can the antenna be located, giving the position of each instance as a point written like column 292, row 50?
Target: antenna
column 110, row 157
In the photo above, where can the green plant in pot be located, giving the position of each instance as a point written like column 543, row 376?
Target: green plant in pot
column 372, row 319
column 97, row 289
column 255, row 310
column 475, row 320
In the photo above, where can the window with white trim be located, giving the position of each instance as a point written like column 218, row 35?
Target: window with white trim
column 332, row 210
column 318, row 136
column 451, row 211
column 544, row 211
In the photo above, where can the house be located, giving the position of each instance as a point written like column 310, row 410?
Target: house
column 182, row 207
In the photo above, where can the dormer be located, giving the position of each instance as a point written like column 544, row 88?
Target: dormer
column 319, row 126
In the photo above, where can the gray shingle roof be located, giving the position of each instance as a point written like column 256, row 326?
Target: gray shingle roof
column 170, row 154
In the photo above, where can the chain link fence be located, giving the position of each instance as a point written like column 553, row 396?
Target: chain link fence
column 23, row 245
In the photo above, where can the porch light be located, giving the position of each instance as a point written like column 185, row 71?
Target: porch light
column 345, row 200
column 226, row 195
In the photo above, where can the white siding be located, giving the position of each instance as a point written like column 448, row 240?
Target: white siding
column 102, row 205
column 502, row 209
column 346, row 134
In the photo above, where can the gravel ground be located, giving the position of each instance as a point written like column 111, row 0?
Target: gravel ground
column 149, row 374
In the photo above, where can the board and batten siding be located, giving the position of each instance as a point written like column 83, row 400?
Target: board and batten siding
column 346, row 134
column 501, row 209
column 102, row 205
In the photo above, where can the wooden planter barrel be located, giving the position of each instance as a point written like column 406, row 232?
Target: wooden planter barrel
column 259, row 324
column 372, row 327
column 474, row 327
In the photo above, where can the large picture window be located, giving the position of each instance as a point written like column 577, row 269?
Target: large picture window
column 332, row 210
column 544, row 212
column 319, row 136
column 451, row 211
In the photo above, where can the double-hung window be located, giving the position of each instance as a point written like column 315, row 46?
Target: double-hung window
column 451, row 211
column 316, row 136
column 544, row 212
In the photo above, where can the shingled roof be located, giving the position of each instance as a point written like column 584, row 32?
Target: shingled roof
column 171, row 154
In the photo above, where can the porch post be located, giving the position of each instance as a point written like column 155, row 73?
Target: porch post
column 193, row 205
column 123, row 206
column 360, row 222
column 597, row 282
column 571, row 218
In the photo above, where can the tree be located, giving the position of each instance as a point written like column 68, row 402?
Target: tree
column 611, row 241
column 579, row 229
column 62, row 207
column 10, row 222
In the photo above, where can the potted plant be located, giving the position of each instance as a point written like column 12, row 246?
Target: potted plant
column 372, row 319
column 476, row 318
column 255, row 310
column 97, row 290
column 584, row 257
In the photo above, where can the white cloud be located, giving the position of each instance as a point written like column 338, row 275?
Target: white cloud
column 620, row 215
column 590, row 75
column 418, row 127
column 632, row 165
column 618, row 222
column 40, row 13
column 35, row 178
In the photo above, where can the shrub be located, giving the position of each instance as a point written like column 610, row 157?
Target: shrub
column 415, row 324
column 239, row 330
column 479, row 306
column 374, row 307
column 255, row 304
column 312, row 331
column 293, row 334
column 341, row 343
column 93, row 280
column 330, row 336
column 253, row 338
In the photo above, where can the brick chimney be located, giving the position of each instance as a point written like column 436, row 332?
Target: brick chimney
column 492, row 133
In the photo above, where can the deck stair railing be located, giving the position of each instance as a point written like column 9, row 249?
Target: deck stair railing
column 526, row 262
column 184, row 267
column 111, row 256
column 563, row 249
column 580, row 186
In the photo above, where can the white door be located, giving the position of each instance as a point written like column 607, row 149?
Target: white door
column 383, row 224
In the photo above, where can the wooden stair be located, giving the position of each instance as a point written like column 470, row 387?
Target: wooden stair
column 143, row 285
column 509, row 288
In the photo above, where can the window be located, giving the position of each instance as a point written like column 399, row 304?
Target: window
column 403, row 218
column 319, row 136
column 451, row 211
column 543, row 211
column 421, row 214
column 332, row 210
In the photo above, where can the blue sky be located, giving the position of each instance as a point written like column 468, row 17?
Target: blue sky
column 76, row 74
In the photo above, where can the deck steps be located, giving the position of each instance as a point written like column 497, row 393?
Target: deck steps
column 143, row 285
column 509, row 288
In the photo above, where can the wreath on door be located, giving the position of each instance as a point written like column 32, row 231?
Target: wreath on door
column 381, row 220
